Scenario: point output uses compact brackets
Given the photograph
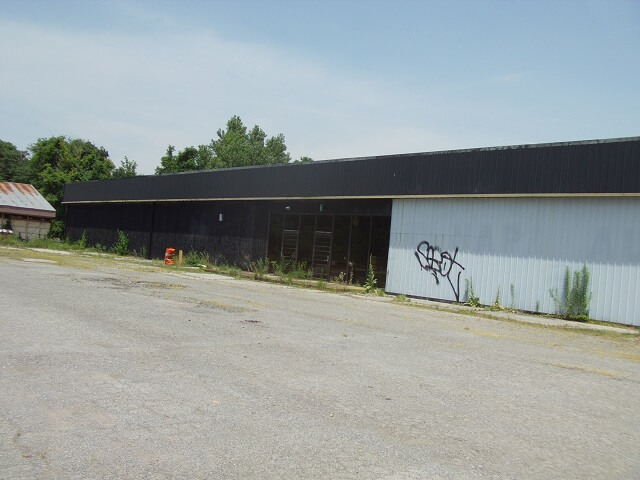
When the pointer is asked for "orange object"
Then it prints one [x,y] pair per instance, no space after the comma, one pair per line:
[169,253]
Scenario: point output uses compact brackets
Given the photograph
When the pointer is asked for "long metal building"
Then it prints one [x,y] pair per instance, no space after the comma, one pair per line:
[502,223]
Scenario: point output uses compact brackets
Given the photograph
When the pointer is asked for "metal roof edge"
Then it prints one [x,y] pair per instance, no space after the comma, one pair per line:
[374,157]
[365,197]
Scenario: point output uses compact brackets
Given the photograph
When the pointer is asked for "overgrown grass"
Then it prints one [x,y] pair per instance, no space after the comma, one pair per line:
[196,259]
[259,268]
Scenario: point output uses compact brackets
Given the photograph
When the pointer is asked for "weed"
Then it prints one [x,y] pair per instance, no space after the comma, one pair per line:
[371,282]
[281,267]
[11,240]
[322,284]
[80,244]
[301,270]
[259,268]
[575,298]
[470,295]
[401,299]
[121,247]
[512,291]
[496,305]
[196,259]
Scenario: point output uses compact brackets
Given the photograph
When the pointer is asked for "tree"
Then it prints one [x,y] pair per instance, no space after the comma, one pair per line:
[59,160]
[14,164]
[237,148]
[303,160]
[127,168]
[187,160]
[234,147]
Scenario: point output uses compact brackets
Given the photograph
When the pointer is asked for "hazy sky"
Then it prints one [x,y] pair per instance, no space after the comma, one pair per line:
[337,78]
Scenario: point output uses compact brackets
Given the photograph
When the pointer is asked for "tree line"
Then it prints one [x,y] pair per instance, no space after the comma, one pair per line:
[49,163]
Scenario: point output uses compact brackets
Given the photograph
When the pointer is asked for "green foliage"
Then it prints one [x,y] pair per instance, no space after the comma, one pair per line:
[574,301]
[197,259]
[59,160]
[512,291]
[237,147]
[259,268]
[127,168]
[303,160]
[82,243]
[401,299]
[187,160]
[57,229]
[496,305]
[301,270]
[234,147]
[281,267]
[472,299]
[370,284]
[121,247]
[14,164]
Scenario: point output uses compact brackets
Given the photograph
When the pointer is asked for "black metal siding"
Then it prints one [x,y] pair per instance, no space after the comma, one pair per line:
[605,167]
[241,237]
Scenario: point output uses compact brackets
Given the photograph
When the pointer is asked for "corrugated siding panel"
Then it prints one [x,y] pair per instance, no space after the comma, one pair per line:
[526,243]
[521,170]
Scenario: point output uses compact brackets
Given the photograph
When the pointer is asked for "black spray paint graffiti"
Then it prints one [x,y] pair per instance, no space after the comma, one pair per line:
[439,263]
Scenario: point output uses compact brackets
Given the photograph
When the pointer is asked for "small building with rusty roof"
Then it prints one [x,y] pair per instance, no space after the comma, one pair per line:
[24,211]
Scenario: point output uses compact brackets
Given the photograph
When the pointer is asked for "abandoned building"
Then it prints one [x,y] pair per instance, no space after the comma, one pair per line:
[24,212]
[502,223]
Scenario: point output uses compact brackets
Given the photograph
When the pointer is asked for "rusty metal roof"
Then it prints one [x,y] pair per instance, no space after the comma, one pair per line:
[24,199]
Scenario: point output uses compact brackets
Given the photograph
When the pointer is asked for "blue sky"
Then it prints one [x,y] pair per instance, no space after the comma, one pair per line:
[337,78]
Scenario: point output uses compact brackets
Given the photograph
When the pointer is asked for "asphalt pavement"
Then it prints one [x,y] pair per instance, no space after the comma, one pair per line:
[118,369]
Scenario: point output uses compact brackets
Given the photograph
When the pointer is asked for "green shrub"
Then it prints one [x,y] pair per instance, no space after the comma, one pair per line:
[301,270]
[195,259]
[259,268]
[57,229]
[121,247]
[80,244]
[574,301]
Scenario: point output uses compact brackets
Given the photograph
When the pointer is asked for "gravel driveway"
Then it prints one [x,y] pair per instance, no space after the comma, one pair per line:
[119,370]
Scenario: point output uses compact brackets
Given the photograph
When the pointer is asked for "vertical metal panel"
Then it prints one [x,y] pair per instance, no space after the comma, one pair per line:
[520,245]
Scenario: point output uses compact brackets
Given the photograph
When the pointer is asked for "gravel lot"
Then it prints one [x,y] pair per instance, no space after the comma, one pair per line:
[115,369]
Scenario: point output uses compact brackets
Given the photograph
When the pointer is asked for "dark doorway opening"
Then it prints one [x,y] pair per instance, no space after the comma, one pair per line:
[334,247]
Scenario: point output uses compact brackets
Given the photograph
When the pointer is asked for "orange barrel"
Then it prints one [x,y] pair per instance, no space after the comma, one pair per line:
[169,253]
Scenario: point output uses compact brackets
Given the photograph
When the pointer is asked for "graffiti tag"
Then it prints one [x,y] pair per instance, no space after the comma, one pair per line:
[439,263]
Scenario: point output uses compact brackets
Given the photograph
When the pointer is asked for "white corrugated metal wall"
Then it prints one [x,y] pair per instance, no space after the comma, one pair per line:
[521,246]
